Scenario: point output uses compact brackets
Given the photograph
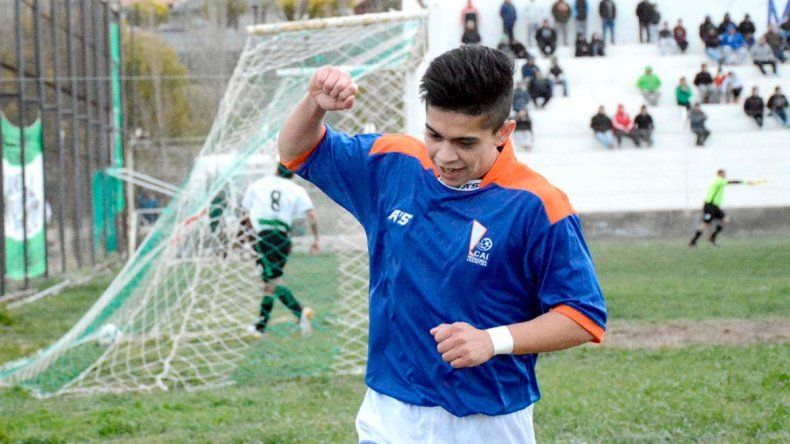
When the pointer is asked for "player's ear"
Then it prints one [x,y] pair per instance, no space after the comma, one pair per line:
[504,132]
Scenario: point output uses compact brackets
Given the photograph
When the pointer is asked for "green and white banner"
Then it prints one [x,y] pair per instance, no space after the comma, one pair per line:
[34,200]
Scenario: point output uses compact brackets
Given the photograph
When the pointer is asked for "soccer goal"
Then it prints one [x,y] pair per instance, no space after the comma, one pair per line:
[175,317]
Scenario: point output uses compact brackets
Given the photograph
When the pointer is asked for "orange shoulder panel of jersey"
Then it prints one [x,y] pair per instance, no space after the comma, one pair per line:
[297,163]
[508,172]
[592,328]
[399,143]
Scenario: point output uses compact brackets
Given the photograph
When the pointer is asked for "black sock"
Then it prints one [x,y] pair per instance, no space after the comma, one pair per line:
[716,232]
[266,310]
[288,299]
[696,236]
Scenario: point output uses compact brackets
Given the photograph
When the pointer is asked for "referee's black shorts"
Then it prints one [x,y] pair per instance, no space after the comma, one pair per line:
[711,212]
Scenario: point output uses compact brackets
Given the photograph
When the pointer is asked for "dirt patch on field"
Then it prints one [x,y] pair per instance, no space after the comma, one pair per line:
[676,334]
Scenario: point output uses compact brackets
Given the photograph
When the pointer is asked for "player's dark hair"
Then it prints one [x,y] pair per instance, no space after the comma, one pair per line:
[472,80]
[282,171]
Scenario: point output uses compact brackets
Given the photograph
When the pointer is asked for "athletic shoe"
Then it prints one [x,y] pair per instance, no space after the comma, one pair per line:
[712,240]
[253,332]
[305,321]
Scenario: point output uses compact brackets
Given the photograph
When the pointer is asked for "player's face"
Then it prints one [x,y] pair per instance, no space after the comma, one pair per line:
[460,146]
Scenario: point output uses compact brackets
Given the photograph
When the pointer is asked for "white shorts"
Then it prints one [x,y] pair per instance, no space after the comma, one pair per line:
[385,420]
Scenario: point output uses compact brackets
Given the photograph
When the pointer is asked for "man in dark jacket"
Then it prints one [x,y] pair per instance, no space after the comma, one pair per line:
[582,46]
[561,11]
[540,88]
[581,17]
[601,125]
[704,83]
[777,104]
[644,13]
[754,107]
[644,126]
[508,13]
[776,42]
[697,120]
[546,39]
[725,24]
[747,29]
[706,26]
[608,12]
[680,36]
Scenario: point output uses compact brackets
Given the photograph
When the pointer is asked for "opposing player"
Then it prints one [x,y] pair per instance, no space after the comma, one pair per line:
[273,203]
[477,263]
[711,210]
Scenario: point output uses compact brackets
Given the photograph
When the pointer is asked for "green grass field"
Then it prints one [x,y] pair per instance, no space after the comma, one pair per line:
[590,394]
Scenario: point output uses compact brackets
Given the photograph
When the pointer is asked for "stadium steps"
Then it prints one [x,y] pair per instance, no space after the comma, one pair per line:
[673,174]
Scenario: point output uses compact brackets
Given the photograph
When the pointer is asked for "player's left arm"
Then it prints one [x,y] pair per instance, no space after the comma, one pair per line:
[574,310]
[463,345]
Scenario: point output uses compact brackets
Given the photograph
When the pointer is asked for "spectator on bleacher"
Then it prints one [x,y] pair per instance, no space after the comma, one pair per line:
[762,55]
[733,88]
[725,24]
[528,70]
[557,76]
[504,46]
[561,11]
[546,38]
[608,12]
[777,104]
[508,13]
[776,42]
[681,39]
[666,40]
[697,120]
[718,83]
[683,94]
[470,14]
[522,136]
[601,125]
[649,85]
[712,49]
[644,126]
[540,88]
[520,96]
[471,36]
[704,83]
[785,31]
[747,29]
[519,50]
[643,16]
[582,46]
[580,12]
[597,45]
[705,27]
[623,126]
[733,47]
[754,107]
[533,16]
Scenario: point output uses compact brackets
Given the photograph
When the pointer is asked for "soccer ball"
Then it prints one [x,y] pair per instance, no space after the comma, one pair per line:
[108,335]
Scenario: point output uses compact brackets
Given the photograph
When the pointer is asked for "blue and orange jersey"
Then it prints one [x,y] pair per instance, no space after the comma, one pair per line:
[501,254]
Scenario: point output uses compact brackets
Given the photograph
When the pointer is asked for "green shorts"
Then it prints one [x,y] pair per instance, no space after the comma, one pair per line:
[273,248]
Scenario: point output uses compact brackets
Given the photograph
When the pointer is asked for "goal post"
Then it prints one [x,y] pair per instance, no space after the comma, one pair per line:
[175,316]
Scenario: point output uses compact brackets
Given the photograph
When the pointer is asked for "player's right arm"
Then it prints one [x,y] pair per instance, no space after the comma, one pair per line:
[330,89]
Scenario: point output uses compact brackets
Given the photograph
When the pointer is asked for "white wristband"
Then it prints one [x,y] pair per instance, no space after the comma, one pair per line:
[502,340]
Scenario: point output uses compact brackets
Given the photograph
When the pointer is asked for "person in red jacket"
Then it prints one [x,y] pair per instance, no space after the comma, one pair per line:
[624,126]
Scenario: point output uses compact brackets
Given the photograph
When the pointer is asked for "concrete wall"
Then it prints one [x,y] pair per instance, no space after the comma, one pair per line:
[744,222]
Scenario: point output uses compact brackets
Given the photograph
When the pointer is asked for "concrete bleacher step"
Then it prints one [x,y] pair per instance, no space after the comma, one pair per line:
[673,174]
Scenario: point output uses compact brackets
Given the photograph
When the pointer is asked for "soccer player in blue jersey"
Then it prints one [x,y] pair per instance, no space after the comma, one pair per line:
[477,263]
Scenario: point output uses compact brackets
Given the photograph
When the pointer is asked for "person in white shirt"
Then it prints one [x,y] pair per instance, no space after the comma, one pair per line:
[534,16]
[273,203]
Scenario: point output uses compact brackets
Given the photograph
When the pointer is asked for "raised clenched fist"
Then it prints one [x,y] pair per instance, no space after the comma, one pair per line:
[332,89]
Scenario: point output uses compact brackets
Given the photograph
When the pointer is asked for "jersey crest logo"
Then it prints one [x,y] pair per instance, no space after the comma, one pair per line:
[400,217]
[479,246]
